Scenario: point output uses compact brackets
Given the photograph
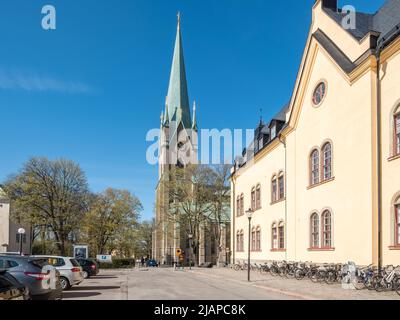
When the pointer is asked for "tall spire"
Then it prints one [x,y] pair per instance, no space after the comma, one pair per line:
[178,108]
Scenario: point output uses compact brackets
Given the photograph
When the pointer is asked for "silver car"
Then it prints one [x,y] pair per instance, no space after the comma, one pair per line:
[70,270]
[42,281]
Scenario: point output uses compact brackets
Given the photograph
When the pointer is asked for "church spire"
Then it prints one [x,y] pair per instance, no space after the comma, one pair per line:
[178,108]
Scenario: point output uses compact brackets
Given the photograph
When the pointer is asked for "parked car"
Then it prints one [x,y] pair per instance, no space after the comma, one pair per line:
[70,270]
[41,280]
[152,264]
[10,288]
[90,267]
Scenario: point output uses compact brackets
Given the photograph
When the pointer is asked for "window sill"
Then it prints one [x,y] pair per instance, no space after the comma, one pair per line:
[396,247]
[277,201]
[320,183]
[256,251]
[395,157]
[278,250]
[321,249]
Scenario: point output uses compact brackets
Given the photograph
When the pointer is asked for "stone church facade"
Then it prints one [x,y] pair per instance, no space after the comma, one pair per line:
[178,147]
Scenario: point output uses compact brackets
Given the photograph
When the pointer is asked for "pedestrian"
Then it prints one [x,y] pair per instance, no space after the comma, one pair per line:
[182,260]
[142,262]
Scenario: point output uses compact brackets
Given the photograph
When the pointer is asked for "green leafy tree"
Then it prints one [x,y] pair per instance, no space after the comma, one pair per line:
[52,194]
[111,221]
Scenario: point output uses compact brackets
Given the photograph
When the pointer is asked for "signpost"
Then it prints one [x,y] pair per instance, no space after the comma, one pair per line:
[81,252]
[104,258]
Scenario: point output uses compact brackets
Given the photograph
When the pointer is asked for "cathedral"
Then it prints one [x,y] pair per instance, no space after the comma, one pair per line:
[178,147]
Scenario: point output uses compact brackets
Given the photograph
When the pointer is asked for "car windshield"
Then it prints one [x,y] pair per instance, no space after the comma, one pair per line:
[75,263]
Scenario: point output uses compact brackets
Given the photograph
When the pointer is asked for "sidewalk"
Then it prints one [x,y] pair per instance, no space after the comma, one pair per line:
[303,289]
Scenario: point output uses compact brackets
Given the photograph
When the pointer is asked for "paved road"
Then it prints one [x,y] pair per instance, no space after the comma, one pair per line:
[167,284]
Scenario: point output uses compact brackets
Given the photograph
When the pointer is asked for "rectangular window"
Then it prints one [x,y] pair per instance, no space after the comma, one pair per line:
[253,241]
[281,237]
[258,198]
[253,200]
[397,133]
[17,237]
[281,187]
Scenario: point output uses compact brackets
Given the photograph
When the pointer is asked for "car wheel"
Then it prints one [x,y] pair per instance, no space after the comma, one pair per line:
[85,274]
[65,283]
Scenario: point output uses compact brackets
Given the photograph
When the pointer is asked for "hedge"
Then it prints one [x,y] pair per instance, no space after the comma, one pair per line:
[119,264]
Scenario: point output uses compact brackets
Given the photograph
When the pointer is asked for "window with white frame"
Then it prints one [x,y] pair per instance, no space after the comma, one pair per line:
[314,167]
[326,229]
[397,132]
[314,227]
[274,236]
[281,230]
[327,161]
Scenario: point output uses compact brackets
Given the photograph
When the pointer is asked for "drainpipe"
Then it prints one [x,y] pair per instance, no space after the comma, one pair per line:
[283,141]
[379,152]
[233,229]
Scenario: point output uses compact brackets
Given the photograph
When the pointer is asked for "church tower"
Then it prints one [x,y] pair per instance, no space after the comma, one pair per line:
[178,146]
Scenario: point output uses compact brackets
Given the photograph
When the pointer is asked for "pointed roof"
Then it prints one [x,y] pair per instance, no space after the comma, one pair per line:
[178,108]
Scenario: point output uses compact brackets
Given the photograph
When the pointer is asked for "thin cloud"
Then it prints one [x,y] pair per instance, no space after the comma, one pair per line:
[10,80]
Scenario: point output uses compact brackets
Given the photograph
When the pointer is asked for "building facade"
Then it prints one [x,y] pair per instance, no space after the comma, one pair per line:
[178,147]
[9,237]
[322,177]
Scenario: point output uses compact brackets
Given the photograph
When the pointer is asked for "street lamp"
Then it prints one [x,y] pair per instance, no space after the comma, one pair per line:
[21,232]
[190,250]
[249,214]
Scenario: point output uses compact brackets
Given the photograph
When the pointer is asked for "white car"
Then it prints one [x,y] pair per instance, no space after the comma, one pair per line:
[70,270]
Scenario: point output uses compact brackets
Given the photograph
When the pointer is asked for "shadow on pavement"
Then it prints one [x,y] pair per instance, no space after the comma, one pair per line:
[103,277]
[93,288]
[74,295]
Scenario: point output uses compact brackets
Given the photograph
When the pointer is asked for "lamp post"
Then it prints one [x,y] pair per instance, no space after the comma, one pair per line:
[249,214]
[190,250]
[21,232]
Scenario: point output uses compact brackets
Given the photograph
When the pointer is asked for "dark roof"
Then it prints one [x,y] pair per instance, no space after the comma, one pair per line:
[383,21]
[281,115]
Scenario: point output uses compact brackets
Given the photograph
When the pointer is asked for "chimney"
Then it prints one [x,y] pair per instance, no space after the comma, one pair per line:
[330,4]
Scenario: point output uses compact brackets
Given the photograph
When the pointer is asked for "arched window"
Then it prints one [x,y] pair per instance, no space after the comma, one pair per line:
[253,239]
[258,197]
[281,230]
[396,131]
[274,236]
[258,239]
[314,229]
[326,219]
[314,167]
[253,198]
[327,161]
[274,189]
[397,222]
[238,206]
[242,204]
[281,186]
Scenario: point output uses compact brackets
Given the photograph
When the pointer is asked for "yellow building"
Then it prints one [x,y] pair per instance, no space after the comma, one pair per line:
[323,177]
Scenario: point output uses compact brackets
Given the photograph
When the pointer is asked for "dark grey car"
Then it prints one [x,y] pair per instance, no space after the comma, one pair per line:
[42,280]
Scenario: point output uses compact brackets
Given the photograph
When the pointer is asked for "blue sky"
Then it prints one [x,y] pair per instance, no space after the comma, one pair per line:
[90,90]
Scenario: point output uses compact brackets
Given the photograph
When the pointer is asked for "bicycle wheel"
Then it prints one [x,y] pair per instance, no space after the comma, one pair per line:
[330,277]
[377,283]
[397,286]
[299,274]
[274,271]
[359,283]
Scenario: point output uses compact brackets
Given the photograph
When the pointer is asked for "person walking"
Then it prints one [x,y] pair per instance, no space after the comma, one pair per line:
[182,260]
[142,262]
